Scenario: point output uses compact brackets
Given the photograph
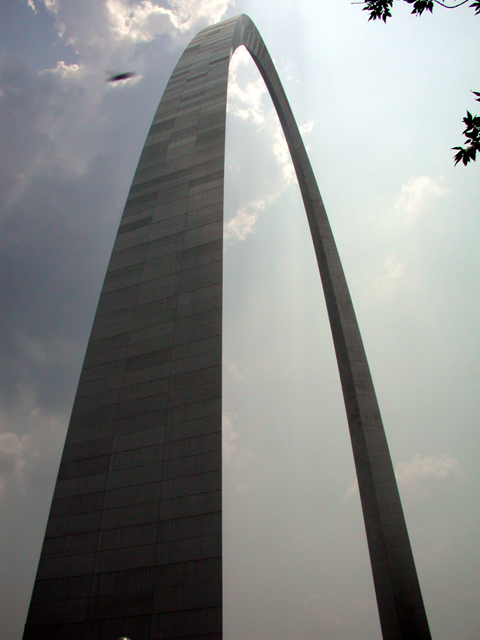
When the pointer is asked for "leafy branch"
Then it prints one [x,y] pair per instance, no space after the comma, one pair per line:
[381,10]
[472,135]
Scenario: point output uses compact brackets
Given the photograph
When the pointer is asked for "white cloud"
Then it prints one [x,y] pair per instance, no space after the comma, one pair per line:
[32,6]
[416,196]
[11,452]
[245,102]
[393,268]
[64,70]
[237,460]
[248,102]
[243,224]
[15,451]
[229,436]
[394,271]
[51,5]
[143,21]
[352,490]
[232,371]
[307,127]
[105,32]
[415,476]
[283,158]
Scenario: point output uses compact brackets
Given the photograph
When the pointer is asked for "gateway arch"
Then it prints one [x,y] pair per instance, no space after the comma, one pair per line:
[133,545]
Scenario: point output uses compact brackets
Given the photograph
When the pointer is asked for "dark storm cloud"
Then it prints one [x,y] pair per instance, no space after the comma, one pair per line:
[51,238]
[47,313]
[63,183]
[24,96]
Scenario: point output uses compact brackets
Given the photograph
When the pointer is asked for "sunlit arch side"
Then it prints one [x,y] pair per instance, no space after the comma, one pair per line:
[135,526]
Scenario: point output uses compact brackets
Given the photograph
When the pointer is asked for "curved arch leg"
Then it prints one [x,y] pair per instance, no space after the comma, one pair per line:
[133,544]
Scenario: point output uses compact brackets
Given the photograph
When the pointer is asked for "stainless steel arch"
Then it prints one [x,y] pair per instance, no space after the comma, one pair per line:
[133,542]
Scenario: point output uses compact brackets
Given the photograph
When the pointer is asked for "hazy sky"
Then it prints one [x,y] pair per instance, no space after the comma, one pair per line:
[379,106]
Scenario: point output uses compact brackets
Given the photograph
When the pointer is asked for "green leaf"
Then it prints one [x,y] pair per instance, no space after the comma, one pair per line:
[419,6]
[476,5]
[464,154]
[379,9]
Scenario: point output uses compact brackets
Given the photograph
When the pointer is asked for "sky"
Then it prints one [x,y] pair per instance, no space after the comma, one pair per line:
[379,107]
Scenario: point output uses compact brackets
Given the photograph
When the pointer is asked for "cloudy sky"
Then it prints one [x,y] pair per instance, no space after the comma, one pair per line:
[379,106]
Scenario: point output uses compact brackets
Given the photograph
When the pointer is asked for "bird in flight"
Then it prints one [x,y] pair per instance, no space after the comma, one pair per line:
[121,76]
